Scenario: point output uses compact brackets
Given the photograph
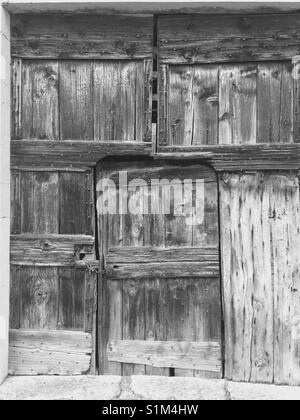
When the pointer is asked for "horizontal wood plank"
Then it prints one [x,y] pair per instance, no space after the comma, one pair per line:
[138,271]
[69,154]
[81,36]
[242,157]
[51,250]
[146,255]
[204,356]
[205,39]
[49,352]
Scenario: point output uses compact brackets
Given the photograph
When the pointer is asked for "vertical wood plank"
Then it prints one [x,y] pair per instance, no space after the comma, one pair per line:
[27,202]
[285,228]
[274,103]
[76,197]
[15,208]
[180,105]
[122,101]
[14,299]
[206,101]
[133,319]
[146,79]
[16,98]
[76,100]
[247,277]
[46,208]
[26,131]
[39,298]
[45,101]
[71,298]
[163,105]
[237,111]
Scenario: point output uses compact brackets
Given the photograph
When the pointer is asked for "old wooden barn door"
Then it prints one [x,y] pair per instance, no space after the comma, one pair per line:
[158,225]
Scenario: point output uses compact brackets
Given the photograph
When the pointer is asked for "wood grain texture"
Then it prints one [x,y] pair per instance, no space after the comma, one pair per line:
[82,100]
[170,354]
[247,157]
[158,262]
[122,106]
[82,36]
[71,155]
[49,352]
[51,250]
[227,104]
[259,217]
[274,103]
[205,39]
[76,100]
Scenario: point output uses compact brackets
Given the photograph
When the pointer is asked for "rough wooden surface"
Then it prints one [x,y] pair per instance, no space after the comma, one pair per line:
[54,250]
[52,202]
[68,154]
[49,352]
[235,158]
[227,104]
[164,303]
[260,264]
[167,354]
[205,39]
[81,36]
[82,100]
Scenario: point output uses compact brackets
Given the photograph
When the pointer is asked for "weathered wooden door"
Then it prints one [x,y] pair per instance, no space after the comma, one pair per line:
[159,242]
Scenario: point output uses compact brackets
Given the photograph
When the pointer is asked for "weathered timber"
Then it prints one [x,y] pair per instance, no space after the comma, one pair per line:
[163,270]
[167,269]
[260,271]
[66,154]
[81,36]
[234,158]
[51,250]
[146,255]
[205,356]
[205,39]
[49,352]
[227,104]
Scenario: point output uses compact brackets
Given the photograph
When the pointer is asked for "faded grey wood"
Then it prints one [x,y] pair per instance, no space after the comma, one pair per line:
[49,352]
[51,250]
[205,356]
[68,154]
[86,36]
[213,38]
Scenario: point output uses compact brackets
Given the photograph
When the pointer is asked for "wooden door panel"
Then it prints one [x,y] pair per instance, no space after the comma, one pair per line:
[162,281]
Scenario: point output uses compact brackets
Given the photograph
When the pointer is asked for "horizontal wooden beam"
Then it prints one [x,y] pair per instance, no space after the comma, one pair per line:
[235,158]
[81,36]
[70,154]
[49,352]
[212,39]
[203,356]
[146,255]
[163,270]
[51,250]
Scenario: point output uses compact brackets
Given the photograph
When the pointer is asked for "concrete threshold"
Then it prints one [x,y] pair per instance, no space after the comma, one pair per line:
[139,388]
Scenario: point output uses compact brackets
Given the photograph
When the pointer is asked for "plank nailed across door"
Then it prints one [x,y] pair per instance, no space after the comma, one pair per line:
[51,250]
[242,38]
[176,354]
[49,352]
[83,100]
[227,104]
[260,242]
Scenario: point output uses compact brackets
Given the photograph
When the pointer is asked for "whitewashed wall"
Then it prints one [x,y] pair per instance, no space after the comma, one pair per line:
[4,188]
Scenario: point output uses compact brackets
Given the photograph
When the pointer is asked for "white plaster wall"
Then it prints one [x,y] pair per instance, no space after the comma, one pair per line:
[4,187]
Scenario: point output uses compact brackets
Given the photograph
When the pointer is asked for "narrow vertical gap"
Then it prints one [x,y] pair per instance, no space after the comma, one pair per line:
[172,371]
[223,338]
[97,257]
[155,84]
